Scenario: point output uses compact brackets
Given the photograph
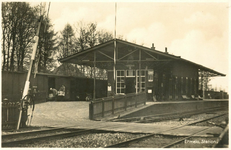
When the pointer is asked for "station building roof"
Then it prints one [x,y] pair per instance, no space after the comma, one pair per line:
[105,56]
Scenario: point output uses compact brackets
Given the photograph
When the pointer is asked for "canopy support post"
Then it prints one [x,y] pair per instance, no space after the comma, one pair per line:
[140,84]
[94,75]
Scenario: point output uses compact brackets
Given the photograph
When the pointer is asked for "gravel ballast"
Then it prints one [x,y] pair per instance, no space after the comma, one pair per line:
[92,140]
[194,118]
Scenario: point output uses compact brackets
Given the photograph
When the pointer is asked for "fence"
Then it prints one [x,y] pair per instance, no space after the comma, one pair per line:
[102,107]
[10,114]
[10,109]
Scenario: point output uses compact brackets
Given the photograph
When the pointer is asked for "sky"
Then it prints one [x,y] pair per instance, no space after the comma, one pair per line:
[197,31]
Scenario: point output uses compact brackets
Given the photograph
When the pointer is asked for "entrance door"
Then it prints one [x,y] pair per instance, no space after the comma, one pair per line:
[130,85]
[51,82]
[73,89]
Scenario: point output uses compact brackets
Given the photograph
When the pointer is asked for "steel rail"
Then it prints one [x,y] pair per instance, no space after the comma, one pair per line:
[208,119]
[163,116]
[31,132]
[178,141]
[12,143]
[123,144]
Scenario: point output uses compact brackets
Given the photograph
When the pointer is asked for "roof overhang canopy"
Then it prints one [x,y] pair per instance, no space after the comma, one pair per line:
[127,54]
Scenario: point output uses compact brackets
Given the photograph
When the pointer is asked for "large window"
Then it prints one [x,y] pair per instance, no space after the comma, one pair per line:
[121,76]
[120,88]
[140,82]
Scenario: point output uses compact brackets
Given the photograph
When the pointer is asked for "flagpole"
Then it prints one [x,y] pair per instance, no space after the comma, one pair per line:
[115,20]
[114,66]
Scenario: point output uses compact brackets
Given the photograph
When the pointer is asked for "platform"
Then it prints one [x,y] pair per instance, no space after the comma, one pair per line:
[75,115]
[177,107]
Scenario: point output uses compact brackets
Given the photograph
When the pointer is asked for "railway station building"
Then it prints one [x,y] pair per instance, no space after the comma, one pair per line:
[133,68]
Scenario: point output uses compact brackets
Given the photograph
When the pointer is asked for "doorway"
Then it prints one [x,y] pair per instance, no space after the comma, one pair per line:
[73,88]
[130,85]
[51,82]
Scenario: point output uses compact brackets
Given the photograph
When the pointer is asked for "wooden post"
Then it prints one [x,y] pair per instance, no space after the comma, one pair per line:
[146,85]
[125,103]
[140,84]
[136,101]
[113,105]
[102,108]
[94,75]
[145,98]
[7,114]
[91,111]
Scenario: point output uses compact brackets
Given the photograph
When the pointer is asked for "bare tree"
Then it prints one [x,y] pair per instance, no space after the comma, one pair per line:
[91,35]
[86,36]
[18,25]
[104,36]
[81,35]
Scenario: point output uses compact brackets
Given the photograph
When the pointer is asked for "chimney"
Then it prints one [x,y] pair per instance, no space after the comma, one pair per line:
[153,46]
[166,50]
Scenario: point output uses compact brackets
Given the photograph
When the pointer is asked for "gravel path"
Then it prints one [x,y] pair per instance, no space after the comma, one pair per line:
[60,113]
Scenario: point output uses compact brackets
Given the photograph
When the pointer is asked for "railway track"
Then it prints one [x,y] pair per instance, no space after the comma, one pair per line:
[12,140]
[217,141]
[183,139]
[167,144]
[166,116]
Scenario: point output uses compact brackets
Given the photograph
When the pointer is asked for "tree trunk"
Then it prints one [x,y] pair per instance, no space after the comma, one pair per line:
[12,52]
[3,50]
[8,50]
